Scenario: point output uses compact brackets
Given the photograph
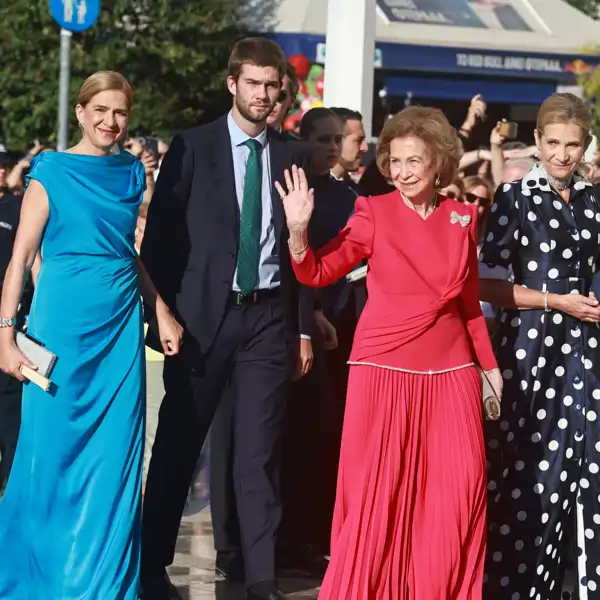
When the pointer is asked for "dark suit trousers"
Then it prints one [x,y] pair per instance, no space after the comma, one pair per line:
[312,434]
[10,422]
[251,356]
[309,467]
[225,521]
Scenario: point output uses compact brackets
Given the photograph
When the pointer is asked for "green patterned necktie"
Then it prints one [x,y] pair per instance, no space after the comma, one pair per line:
[250,222]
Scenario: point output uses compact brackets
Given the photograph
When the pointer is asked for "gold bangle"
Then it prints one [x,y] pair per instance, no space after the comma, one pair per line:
[297,252]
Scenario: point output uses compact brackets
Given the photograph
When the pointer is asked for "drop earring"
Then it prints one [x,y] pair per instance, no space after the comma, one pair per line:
[437,181]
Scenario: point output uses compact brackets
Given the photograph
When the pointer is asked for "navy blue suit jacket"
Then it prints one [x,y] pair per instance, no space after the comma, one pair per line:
[191,238]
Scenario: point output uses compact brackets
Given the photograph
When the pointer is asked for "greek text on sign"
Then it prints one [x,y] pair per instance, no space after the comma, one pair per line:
[506,15]
[408,10]
[420,16]
[511,63]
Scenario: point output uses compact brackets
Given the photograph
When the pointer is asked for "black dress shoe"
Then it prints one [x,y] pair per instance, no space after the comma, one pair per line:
[158,586]
[266,590]
[230,566]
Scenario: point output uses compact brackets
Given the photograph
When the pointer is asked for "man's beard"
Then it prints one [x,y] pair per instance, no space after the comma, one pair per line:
[350,167]
[244,110]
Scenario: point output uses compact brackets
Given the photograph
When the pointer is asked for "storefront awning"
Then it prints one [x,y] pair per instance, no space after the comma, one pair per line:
[551,26]
[560,68]
[453,88]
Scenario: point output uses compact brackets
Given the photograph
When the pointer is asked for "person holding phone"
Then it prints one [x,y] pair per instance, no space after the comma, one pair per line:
[476,113]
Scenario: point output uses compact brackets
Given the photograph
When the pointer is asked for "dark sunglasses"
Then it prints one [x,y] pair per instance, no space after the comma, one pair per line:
[283,96]
[327,139]
[472,198]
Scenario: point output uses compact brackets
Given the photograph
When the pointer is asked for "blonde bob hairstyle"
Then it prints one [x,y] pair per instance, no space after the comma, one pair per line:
[563,108]
[430,125]
[104,81]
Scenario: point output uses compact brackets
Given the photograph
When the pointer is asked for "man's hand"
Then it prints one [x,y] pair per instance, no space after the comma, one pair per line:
[330,340]
[304,359]
[134,146]
[496,140]
[527,152]
[149,161]
[477,109]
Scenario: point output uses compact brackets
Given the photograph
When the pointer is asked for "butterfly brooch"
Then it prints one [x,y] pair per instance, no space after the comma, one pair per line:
[456,218]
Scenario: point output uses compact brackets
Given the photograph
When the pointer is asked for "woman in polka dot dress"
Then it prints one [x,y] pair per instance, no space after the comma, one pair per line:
[544,453]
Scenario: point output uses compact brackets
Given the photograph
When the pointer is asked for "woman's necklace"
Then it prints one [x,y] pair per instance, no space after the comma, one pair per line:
[560,184]
[428,212]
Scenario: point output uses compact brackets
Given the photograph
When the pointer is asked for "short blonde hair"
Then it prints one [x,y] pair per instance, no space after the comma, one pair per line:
[431,126]
[103,81]
[564,108]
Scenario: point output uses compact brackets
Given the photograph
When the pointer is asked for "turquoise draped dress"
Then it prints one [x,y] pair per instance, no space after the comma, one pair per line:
[70,519]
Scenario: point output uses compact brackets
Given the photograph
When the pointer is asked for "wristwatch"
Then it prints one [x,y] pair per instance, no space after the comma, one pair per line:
[7,322]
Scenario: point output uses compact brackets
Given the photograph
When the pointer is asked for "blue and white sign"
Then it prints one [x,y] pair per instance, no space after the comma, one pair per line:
[454,61]
[378,63]
[75,15]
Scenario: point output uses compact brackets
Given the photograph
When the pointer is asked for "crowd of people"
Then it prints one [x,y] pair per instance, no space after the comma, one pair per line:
[338,327]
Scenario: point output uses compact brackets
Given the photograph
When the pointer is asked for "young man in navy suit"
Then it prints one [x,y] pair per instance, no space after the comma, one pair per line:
[215,246]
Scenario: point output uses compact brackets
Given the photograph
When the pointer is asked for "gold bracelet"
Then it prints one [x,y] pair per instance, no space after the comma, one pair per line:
[546,309]
[297,252]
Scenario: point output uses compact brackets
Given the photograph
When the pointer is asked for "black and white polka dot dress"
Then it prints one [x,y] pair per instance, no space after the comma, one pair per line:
[544,453]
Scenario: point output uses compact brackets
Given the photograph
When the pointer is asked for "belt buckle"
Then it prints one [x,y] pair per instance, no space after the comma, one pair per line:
[239,298]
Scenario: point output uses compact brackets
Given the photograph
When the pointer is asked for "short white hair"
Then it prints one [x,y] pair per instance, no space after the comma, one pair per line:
[518,166]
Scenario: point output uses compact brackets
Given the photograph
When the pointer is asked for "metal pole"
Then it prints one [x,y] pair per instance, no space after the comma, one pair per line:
[63,93]
[351,20]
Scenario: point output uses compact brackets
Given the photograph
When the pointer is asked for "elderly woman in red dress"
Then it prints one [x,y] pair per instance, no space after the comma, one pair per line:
[410,511]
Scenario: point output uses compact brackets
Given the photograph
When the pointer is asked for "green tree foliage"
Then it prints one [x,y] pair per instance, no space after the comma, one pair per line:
[589,81]
[174,52]
[589,7]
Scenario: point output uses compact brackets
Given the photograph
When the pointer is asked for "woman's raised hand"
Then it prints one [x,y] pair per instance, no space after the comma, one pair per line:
[298,200]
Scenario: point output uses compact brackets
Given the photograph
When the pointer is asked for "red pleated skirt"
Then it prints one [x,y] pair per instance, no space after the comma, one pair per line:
[409,519]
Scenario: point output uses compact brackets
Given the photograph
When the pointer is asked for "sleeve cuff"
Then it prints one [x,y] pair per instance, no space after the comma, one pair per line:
[306,269]
[303,336]
[496,272]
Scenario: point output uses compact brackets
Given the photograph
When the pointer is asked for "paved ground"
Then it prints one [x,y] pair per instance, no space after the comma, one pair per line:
[193,571]
[194,575]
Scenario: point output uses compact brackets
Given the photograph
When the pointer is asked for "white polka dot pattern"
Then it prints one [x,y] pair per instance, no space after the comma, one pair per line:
[550,427]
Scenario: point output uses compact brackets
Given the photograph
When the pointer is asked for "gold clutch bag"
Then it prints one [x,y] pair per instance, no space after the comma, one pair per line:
[491,402]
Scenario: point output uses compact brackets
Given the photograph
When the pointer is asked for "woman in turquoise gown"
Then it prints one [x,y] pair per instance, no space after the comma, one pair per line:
[71,514]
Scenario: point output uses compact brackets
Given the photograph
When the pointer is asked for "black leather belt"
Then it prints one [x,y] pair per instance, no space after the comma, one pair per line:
[255,297]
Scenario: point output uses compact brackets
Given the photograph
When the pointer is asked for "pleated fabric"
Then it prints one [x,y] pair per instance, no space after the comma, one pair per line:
[409,520]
